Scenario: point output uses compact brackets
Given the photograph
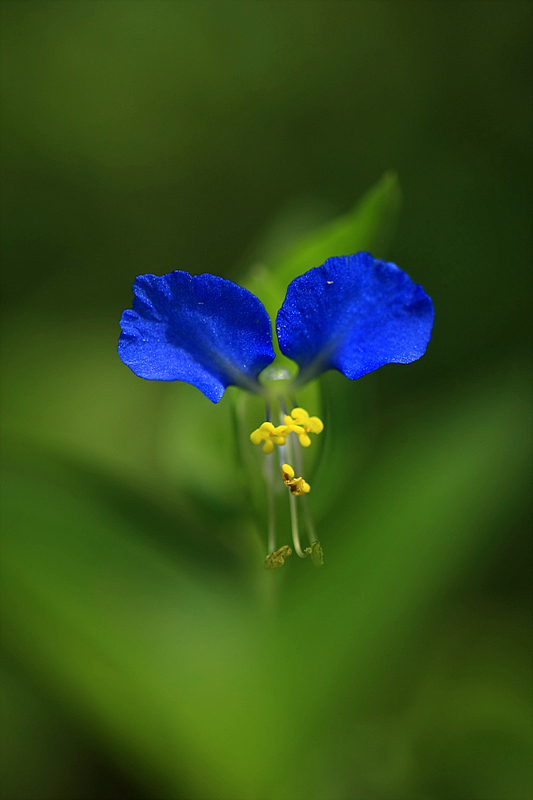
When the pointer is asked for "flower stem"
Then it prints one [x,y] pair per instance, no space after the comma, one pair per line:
[269,474]
[292,501]
[294,524]
[309,526]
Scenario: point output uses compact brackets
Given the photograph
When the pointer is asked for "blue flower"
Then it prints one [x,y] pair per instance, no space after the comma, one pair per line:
[353,313]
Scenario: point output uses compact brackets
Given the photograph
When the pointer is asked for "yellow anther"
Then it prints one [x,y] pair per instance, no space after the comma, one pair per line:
[316,553]
[255,437]
[301,423]
[311,424]
[296,485]
[278,557]
[269,434]
[287,471]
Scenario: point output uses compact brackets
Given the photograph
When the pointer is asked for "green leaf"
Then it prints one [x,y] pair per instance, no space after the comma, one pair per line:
[422,518]
[368,226]
[189,679]
[152,657]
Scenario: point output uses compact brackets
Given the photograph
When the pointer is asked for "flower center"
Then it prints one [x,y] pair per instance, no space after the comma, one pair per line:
[301,424]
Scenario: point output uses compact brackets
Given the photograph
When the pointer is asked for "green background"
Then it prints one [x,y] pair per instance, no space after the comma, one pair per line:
[146,653]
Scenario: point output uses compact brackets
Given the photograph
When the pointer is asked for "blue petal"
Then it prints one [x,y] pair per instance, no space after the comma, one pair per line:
[201,329]
[354,314]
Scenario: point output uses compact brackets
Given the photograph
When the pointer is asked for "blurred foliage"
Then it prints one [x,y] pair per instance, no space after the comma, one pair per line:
[147,654]
[368,226]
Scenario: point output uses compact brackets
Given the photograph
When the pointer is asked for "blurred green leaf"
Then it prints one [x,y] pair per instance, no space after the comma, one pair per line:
[193,682]
[419,520]
[432,499]
[368,226]
[142,651]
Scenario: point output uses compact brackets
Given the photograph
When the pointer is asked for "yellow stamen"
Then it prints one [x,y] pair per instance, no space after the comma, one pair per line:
[278,557]
[316,553]
[299,422]
[302,424]
[296,485]
[269,434]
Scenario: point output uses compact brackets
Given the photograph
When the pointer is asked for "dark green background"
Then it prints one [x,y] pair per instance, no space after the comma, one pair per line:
[151,136]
